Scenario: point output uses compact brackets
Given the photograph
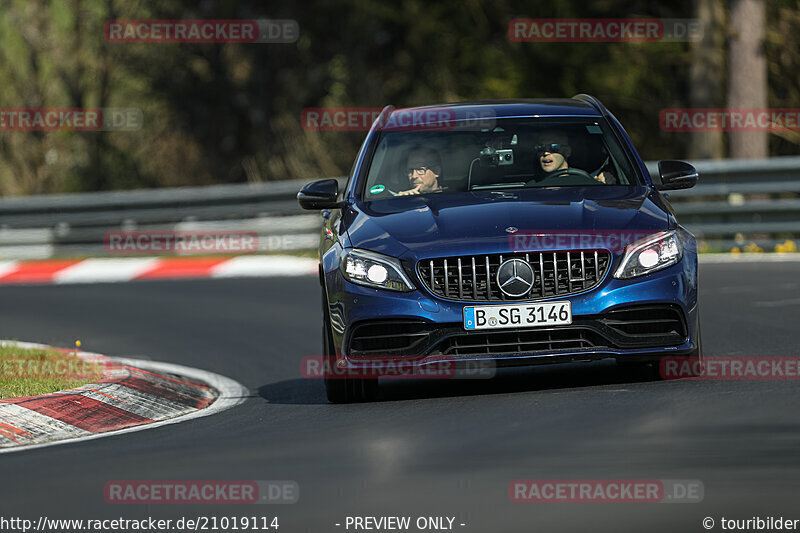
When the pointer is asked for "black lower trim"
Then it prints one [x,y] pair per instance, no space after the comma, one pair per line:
[630,327]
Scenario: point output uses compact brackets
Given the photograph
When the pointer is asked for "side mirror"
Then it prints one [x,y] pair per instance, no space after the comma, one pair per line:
[676,175]
[320,194]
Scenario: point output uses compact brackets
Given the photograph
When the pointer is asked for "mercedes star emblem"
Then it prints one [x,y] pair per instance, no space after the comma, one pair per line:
[515,278]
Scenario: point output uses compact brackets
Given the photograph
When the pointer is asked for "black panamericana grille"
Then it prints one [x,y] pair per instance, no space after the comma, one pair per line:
[474,278]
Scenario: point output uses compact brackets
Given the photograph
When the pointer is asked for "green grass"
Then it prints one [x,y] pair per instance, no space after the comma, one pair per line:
[30,372]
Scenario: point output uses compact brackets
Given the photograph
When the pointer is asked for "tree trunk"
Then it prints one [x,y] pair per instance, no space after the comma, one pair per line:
[747,73]
[706,76]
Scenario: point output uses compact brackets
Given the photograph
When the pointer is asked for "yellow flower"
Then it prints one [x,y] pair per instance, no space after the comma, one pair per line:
[753,248]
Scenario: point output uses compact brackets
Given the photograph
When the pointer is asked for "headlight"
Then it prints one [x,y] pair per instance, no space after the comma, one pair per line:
[658,251]
[374,270]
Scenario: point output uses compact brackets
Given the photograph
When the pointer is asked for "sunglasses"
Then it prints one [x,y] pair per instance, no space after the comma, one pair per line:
[553,148]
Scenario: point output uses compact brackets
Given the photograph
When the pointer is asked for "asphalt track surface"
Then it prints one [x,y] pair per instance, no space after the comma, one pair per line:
[428,448]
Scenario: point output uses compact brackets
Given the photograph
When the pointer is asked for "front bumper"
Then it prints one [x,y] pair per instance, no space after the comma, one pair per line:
[611,320]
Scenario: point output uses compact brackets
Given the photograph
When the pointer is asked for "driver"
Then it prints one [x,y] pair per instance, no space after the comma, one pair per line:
[424,168]
[553,149]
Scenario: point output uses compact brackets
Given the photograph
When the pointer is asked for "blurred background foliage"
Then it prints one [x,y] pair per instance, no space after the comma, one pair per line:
[225,113]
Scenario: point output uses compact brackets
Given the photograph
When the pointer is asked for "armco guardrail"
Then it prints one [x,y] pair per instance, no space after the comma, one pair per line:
[70,225]
[735,202]
[741,201]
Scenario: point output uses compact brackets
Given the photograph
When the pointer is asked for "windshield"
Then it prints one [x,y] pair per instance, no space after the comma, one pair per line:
[509,153]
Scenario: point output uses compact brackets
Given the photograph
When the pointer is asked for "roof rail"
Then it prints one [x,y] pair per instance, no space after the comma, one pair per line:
[592,101]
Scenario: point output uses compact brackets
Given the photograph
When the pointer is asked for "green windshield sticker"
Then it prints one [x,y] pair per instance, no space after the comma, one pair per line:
[377,189]
[593,128]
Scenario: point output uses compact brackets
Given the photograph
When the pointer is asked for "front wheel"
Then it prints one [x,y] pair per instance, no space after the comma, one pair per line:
[696,355]
[340,388]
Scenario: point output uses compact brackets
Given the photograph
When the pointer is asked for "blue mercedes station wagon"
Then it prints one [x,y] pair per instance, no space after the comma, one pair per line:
[511,232]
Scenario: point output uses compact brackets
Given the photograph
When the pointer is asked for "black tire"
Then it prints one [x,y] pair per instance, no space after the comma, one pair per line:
[697,353]
[342,389]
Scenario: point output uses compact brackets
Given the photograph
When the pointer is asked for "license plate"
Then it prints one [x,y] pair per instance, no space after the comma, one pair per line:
[517,315]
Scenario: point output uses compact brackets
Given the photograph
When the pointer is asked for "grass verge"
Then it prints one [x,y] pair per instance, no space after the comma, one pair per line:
[35,371]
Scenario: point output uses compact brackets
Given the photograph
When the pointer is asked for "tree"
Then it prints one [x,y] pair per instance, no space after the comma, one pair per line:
[706,76]
[747,73]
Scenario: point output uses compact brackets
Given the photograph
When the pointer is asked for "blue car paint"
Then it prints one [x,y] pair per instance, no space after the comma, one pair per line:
[473,223]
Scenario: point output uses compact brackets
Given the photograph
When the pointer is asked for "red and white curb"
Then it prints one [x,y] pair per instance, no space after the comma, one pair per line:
[131,396]
[117,269]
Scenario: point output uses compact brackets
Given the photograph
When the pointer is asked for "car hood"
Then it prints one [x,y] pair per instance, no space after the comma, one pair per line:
[496,221]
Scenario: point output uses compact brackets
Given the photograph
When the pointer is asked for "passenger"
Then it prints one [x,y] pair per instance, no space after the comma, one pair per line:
[553,149]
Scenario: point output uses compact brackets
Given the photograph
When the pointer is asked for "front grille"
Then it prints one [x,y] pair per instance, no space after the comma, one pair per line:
[519,342]
[474,278]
